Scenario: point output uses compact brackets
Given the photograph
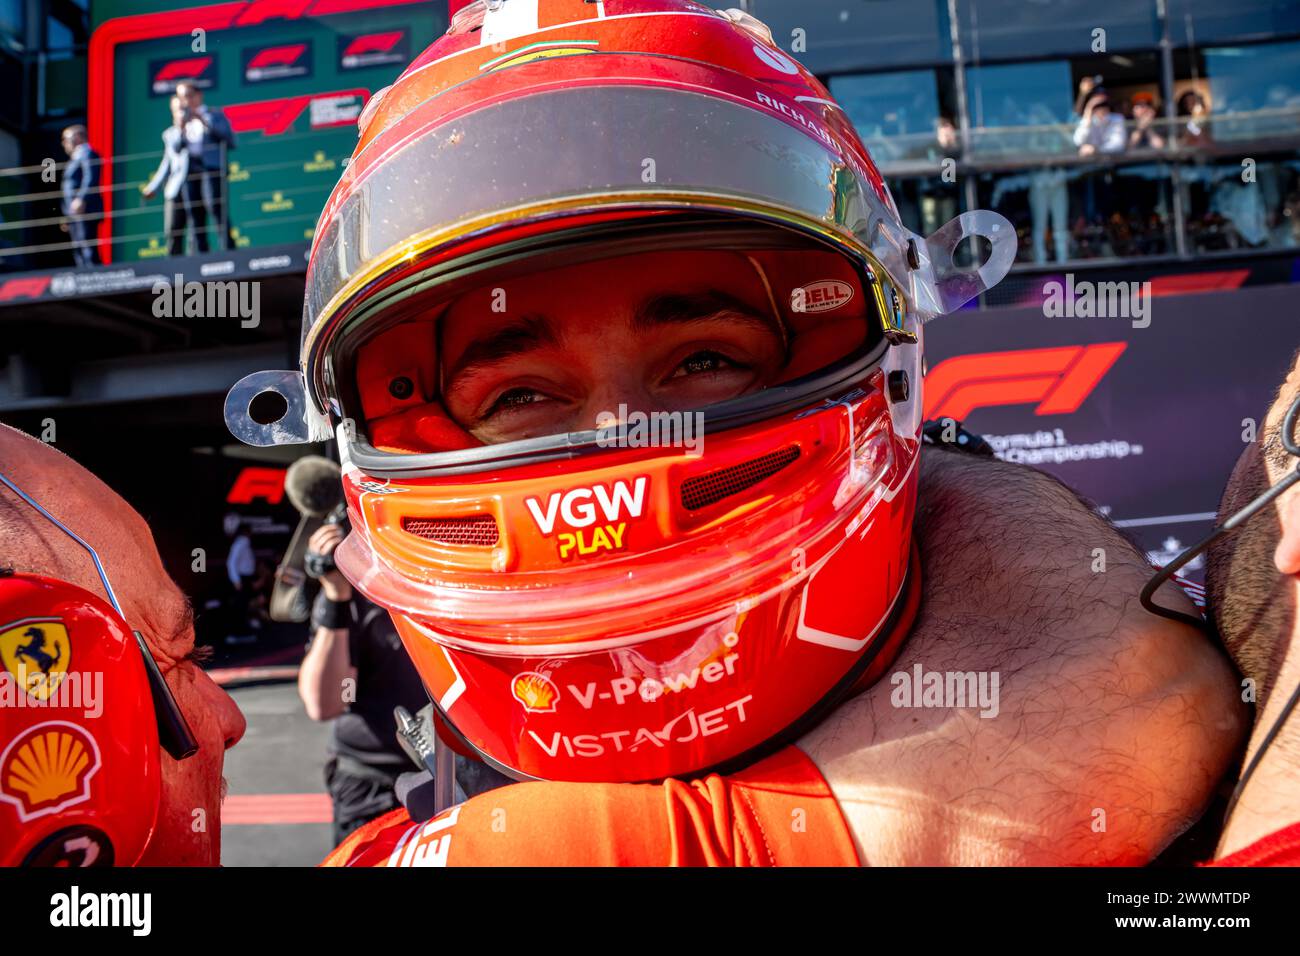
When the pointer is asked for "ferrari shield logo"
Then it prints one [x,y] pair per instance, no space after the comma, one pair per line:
[36,650]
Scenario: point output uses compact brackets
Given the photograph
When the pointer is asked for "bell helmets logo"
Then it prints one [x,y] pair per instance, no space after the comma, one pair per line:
[582,510]
[48,769]
[821,296]
[1059,379]
[536,692]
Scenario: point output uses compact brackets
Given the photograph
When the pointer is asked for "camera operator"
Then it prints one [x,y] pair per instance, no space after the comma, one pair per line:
[355,673]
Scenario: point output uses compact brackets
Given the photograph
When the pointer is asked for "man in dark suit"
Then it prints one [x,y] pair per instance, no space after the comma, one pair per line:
[182,190]
[209,137]
[82,204]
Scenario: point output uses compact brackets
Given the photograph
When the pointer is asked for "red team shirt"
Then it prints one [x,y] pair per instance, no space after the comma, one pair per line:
[779,812]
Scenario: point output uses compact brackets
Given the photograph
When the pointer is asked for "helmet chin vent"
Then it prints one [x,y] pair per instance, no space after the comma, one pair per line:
[475,531]
[701,491]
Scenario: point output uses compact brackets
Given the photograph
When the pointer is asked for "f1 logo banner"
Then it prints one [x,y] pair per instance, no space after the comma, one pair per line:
[1147,422]
[1059,379]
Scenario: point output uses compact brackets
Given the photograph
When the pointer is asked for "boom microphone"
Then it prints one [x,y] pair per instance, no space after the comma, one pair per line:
[314,485]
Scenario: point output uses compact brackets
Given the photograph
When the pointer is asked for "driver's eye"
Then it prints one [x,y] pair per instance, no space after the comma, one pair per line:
[512,400]
[517,396]
[702,361]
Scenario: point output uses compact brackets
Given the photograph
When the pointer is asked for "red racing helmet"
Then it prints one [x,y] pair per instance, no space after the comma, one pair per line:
[79,776]
[83,713]
[582,606]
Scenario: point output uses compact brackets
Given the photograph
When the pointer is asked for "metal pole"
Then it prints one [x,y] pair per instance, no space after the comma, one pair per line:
[959,79]
[1167,82]
[444,777]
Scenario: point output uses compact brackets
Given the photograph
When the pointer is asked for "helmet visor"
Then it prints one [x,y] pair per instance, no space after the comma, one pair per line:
[629,340]
[605,145]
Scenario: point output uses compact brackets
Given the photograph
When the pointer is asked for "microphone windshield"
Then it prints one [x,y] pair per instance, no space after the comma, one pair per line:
[314,485]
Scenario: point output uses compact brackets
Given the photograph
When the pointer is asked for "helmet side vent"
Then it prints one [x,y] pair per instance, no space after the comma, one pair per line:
[701,491]
[475,531]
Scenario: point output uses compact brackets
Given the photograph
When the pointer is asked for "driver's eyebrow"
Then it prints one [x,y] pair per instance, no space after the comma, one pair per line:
[674,308]
[529,332]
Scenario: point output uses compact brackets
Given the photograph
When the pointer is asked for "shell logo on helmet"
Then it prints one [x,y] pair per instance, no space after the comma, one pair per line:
[48,769]
[536,692]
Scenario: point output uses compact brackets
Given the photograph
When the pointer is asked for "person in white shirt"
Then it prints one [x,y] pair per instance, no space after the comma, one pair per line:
[209,137]
[1099,130]
[183,202]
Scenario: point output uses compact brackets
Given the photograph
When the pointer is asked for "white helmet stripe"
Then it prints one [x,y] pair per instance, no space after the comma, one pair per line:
[507,20]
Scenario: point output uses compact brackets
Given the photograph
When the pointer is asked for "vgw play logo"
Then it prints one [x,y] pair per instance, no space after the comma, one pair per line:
[582,509]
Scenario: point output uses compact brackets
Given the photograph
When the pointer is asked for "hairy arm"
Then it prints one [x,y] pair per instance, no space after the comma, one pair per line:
[1111,727]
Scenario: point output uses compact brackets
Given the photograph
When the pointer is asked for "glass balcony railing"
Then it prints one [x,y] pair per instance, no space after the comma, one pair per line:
[239,205]
[1189,186]
[1221,184]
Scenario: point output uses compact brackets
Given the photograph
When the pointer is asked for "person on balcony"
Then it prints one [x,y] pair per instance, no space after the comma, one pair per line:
[182,191]
[82,204]
[1145,134]
[209,138]
[1100,130]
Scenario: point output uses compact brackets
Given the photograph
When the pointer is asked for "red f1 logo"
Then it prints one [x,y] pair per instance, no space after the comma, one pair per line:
[373,43]
[277,56]
[178,70]
[1058,379]
[253,483]
[29,288]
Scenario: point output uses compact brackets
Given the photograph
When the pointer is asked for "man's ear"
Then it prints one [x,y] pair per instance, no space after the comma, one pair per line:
[1287,555]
